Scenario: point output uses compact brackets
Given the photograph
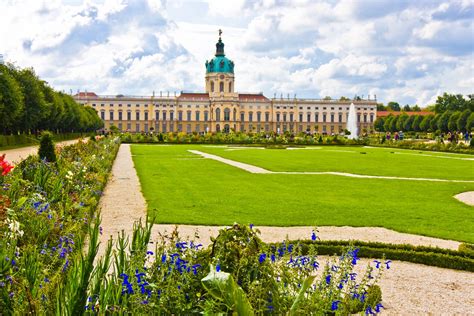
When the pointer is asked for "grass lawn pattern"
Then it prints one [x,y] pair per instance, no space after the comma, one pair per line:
[181,187]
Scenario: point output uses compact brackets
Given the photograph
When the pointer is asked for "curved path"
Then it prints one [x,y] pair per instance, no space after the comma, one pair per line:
[408,288]
[17,154]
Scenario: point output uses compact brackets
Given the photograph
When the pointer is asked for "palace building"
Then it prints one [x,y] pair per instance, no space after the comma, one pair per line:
[221,109]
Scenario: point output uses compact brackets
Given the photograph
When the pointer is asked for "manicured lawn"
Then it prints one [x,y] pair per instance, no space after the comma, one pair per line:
[360,160]
[180,187]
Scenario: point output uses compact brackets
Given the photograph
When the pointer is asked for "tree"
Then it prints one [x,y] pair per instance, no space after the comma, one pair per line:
[434,122]
[462,120]
[393,124]
[327,98]
[416,126]
[443,121]
[378,124]
[416,108]
[394,106]
[343,98]
[453,121]
[401,121]
[425,125]
[408,124]
[387,123]
[451,102]
[35,105]
[470,122]
[11,101]
[406,108]
[381,107]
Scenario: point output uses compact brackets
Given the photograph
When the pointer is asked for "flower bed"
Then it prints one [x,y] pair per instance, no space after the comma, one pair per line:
[45,211]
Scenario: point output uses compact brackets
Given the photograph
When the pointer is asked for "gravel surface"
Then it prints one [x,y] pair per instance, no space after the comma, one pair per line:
[408,288]
[466,197]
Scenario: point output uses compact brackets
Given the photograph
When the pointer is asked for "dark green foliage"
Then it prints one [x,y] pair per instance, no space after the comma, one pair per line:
[465,247]
[46,149]
[439,257]
[28,104]
[451,102]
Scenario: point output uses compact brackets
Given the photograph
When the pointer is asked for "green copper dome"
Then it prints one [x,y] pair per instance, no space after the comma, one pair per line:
[220,63]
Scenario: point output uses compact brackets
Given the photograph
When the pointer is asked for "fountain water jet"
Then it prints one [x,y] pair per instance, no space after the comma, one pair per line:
[352,123]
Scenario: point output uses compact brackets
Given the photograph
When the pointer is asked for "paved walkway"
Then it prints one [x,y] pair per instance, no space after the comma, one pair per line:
[255,169]
[18,154]
[407,288]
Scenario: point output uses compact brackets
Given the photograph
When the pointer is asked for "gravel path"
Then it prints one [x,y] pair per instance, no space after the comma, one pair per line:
[408,288]
[466,197]
[17,154]
[255,169]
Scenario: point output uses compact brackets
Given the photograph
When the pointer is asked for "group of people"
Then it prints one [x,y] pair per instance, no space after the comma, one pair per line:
[455,137]
[396,136]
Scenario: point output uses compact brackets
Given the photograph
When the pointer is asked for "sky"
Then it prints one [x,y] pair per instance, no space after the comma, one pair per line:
[404,51]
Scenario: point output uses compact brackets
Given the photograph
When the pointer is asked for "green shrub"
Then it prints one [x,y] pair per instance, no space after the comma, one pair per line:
[465,247]
[47,150]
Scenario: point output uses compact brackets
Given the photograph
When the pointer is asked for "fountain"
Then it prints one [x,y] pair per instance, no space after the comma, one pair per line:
[352,122]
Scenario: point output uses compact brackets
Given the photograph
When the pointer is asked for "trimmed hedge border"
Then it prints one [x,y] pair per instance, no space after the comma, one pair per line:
[32,139]
[438,257]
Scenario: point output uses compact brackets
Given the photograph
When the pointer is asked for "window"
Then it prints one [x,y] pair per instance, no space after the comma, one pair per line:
[218,114]
[111,115]
[102,115]
[284,117]
[332,117]
[259,116]
[137,116]
[230,86]
[206,116]
[120,105]
[221,86]
[157,115]
[180,116]
[129,118]
[188,114]
[371,117]
[316,117]
[250,116]
[278,117]
[301,117]
[188,128]
[212,86]
[137,127]
[365,118]
[340,117]
[324,117]
[358,117]
[129,105]
[308,117]
[291,117]
[242,116]
[226,115]
[146,116]
[93,104]
[111,105]
[267,116]
[171,119]
[197,115]
[164,116]
[120,116]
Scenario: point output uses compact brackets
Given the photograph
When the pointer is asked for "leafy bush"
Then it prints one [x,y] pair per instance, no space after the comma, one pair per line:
[47,150]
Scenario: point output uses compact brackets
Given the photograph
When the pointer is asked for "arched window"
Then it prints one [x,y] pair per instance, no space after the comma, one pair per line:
[227,115]
[221,86]
[212,86]
[218,114]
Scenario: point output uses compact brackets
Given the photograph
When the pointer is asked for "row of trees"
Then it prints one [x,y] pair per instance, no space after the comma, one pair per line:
[29,104]
[394,106]
[444,122]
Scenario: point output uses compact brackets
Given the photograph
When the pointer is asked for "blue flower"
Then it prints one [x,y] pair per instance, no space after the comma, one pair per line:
[313,236]
[251,226]
[378,307]
[368,311]
[353,276]
[328,279]
[290,248]
[195,267]
[66,265]
[388,263]
[163,258]
[262,257]
[377,264]
[218,267]
[272,257]
[334,305]
[149,253]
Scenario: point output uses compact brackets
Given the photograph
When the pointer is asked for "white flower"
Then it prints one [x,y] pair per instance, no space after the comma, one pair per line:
[14,227]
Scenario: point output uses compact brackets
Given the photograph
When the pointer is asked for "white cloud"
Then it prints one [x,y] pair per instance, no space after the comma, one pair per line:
[404,51]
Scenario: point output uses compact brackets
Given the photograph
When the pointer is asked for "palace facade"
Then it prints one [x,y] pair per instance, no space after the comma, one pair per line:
[221,109]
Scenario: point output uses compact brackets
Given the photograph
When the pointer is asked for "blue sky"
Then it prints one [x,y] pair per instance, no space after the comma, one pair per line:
[407,51]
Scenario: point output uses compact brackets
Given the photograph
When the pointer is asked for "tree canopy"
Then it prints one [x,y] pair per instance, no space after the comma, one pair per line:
[29,104]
